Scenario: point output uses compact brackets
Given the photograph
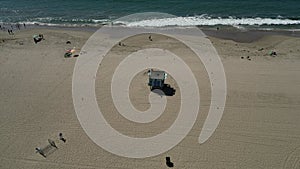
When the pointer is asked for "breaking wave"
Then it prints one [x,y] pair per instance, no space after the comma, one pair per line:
[164,20]
[208,21]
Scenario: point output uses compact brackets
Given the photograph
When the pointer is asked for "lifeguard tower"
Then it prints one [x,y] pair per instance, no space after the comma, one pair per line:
[156,79]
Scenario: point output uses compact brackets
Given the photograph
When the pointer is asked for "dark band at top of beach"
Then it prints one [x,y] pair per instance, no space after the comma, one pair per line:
[254,14]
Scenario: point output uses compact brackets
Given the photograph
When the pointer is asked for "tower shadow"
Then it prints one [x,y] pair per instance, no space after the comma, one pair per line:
[167,89]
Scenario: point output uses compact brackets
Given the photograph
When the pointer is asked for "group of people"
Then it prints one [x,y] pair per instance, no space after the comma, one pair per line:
[52,143]
[11,28]
[10,31]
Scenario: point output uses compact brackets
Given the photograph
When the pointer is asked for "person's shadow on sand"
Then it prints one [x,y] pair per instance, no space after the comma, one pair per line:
[169,163]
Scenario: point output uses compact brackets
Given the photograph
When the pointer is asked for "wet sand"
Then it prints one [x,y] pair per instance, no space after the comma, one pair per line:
[246,36]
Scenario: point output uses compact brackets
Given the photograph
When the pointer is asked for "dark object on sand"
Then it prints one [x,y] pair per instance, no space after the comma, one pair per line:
[261,49]
[69,52]
[38,38]
[242,57]
[169,163]
[121,44]
[273,53]
[75,56]
[68,42]
[52,143]
[61,137]
[48,149]
[39,150]
[10,32]
[150,38]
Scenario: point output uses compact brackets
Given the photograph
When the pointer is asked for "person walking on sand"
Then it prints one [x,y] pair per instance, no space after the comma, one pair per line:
[39,150]
[61,137]
[10,32]
[18,26]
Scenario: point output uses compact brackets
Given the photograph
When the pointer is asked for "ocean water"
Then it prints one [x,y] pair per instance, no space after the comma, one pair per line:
[184,12]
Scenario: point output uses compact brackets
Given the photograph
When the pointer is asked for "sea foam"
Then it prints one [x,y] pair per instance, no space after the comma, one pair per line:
[207,21]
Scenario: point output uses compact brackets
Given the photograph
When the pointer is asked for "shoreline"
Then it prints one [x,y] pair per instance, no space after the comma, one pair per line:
[247,36]
[223,32]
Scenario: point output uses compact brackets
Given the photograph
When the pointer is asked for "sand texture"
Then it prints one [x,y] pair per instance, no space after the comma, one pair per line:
[260,126]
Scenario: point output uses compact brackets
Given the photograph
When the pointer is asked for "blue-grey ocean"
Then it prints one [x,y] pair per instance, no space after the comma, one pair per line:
[188,12]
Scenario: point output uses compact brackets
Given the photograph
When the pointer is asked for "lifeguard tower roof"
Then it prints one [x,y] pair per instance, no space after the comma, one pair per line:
[156,79]
[157,75]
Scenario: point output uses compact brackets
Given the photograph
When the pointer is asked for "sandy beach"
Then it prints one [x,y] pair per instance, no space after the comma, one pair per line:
[259,129]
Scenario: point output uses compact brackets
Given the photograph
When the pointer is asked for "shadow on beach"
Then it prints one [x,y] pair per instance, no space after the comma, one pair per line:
[167,89]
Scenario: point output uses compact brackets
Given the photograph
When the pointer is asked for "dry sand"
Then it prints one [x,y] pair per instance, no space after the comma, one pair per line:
[260,126]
